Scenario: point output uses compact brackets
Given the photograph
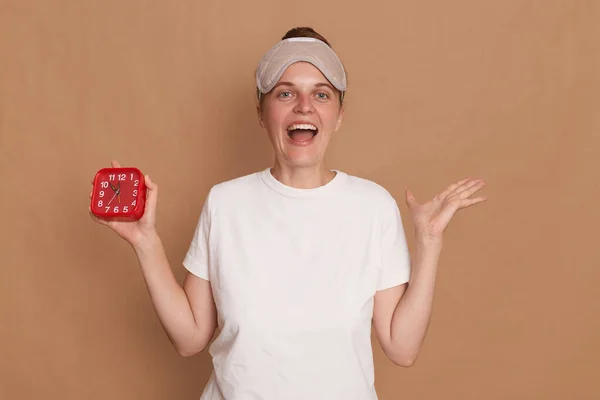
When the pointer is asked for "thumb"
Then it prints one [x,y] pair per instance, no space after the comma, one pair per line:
[152,196]
[148,219]
[410,198]
[150,183]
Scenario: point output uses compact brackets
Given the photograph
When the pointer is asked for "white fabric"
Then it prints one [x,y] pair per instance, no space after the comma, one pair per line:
[293,273]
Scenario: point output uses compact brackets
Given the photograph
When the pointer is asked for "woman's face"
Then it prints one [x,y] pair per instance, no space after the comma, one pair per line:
[300,114]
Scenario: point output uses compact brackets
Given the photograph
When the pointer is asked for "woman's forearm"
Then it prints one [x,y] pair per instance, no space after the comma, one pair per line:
[189,333]
[412,315]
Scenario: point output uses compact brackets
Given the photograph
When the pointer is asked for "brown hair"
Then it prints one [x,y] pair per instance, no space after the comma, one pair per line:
[301,31]
[304,31]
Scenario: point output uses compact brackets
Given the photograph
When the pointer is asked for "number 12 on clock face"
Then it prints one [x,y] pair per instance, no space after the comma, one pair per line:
[119,194]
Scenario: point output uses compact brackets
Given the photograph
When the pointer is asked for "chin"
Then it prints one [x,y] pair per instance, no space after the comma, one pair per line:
[302,157]
[302,160]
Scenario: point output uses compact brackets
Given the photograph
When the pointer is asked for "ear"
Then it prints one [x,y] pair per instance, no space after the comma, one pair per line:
[339,120]
[259,115]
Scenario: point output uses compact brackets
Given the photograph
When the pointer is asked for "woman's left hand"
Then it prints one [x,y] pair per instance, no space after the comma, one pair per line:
[431,219]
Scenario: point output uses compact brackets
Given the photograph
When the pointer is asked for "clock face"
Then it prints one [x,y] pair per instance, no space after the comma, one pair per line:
[118,192]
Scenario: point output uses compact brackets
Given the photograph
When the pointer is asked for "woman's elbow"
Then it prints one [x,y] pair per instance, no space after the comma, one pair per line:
[191,347]
[183,352]
[403,360]
[406,363]
[189,351]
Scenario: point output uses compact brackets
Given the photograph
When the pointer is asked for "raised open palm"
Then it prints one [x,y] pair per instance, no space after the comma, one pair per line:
[432,218]
[134,231]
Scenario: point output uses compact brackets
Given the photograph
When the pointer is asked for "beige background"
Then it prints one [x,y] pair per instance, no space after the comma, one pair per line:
[504,90]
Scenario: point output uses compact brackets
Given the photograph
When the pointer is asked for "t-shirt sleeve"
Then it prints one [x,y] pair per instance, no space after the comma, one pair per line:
[197,257]
[395,264]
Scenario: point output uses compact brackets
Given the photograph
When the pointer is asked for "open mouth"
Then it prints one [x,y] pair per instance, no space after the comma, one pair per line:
[302,133]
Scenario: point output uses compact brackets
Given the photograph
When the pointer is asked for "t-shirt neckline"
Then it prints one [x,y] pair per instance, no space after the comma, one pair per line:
[290,191]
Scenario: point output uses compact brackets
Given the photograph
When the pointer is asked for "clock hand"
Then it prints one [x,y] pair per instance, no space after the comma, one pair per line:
[119,191]
[111,199]
[113,188]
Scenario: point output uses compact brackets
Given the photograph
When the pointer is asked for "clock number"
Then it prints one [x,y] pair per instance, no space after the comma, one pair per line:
[111,177]
[100,203]
[131,176]
[122,177]
[104,184]
[116,209]
[107,208]
[101,194]
[135,192]
[136,182]
[134,203]
[126,209]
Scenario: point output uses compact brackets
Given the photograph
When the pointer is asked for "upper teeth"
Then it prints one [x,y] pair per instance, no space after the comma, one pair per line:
[302,126]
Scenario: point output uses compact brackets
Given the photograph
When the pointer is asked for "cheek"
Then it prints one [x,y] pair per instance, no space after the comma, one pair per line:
[272,125]
[274,120]
[330,119]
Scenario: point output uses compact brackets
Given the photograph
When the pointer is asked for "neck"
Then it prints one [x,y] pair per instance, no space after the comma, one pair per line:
[309,177]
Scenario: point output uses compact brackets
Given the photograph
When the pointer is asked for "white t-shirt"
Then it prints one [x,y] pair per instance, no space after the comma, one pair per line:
[293,274]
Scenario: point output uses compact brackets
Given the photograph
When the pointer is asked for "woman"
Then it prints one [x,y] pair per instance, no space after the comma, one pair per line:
[294,262]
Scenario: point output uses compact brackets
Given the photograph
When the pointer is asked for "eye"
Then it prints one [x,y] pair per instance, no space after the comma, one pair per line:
[283,94]
[322,96]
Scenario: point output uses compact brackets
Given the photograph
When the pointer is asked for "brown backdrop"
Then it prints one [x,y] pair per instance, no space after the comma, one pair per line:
[504,90]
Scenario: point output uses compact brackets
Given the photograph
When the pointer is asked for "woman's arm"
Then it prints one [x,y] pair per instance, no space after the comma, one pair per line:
[402,314]
[188,314]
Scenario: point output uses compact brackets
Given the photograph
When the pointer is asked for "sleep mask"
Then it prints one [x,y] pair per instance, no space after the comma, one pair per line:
[288,51]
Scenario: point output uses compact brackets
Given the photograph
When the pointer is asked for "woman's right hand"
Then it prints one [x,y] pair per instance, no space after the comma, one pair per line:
[135,232]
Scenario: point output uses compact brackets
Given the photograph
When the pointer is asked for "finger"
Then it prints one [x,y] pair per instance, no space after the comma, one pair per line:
[452,207]
[150,184]
[410,198]
[152,194]
[469,189]
[476,200]
[152,189]
[115,164]
[450,188]
[471,202]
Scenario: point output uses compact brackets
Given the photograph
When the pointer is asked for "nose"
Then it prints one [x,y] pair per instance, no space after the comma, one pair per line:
[304,104]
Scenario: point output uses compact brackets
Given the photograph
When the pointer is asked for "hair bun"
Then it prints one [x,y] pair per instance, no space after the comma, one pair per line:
[304,31]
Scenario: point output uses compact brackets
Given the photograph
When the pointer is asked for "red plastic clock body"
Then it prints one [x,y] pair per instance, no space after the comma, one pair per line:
[119,194]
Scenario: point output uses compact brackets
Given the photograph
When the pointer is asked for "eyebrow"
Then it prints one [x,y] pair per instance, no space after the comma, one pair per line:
[284,83]
[324,84]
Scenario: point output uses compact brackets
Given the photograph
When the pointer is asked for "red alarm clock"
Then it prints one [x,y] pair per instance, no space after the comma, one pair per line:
[119,194]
